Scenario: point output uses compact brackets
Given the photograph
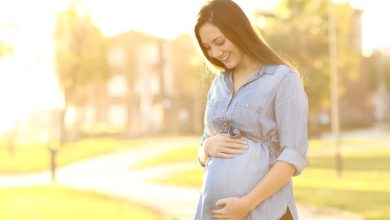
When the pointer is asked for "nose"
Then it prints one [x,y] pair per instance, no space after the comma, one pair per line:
[216,53]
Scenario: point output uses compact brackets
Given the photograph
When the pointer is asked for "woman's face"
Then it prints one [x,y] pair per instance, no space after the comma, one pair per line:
[219,47]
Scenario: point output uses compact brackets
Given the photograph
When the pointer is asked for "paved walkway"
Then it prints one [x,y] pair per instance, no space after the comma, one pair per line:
[110,174]
[374,132]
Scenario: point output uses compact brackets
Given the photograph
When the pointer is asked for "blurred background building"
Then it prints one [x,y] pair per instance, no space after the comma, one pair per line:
[152,88]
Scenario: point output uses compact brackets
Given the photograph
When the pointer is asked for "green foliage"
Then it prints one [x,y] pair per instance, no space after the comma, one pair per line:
[58,203]
[300,33]
[80,60]
[186,65]
[80,54]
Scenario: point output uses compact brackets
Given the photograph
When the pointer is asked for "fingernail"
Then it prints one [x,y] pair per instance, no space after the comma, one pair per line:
[231,155]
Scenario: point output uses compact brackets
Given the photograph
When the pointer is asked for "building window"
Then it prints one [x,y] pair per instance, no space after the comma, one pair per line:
[117,115]
[117,85]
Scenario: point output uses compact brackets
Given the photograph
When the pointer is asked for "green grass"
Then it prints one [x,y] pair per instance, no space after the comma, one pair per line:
[191,178]
[363,188]
[35,157]
[185,153]
[361,142]
[374,160]
[57,203]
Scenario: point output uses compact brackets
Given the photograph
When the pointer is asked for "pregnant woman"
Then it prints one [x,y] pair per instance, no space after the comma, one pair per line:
[255,136]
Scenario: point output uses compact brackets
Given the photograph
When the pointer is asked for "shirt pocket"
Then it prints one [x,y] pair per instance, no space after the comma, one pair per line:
[246,117]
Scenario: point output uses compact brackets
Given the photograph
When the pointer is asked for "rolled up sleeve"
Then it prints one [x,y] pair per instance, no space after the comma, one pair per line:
[206,131]
[291,112]
[204,137]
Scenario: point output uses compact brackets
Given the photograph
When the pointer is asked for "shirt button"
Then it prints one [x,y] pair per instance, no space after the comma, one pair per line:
[246,105]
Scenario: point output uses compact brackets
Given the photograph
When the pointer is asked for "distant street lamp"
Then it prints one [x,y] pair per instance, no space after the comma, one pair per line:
[44,139]
[382,102]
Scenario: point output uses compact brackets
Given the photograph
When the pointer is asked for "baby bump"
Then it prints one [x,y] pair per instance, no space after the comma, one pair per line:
[226,177]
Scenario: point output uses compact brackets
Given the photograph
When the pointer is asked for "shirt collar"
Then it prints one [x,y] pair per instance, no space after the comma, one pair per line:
[269,69]
[266,69]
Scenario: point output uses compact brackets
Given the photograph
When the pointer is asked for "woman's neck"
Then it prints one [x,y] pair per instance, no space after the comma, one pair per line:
[243,72]
[247,67]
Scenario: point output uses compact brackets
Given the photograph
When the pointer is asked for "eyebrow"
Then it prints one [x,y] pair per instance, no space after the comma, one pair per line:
[213,41]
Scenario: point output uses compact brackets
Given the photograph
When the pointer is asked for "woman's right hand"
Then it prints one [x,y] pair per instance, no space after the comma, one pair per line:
[223,145]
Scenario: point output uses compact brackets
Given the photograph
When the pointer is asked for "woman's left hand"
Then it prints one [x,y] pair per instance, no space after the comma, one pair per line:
[233,208]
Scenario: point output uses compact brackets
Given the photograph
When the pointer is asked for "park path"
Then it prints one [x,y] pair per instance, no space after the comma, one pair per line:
[111,174]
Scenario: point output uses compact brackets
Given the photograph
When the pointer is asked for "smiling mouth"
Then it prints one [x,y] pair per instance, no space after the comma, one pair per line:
[225,59]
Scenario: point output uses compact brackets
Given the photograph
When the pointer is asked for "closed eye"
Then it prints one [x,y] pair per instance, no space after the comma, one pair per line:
[220,42]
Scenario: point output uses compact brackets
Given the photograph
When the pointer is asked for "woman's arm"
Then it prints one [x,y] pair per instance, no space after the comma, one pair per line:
[278,176]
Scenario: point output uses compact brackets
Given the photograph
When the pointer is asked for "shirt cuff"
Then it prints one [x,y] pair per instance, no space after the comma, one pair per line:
[294,158]
[201,163]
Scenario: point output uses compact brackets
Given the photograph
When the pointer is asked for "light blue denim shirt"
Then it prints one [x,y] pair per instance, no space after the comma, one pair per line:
[270,112]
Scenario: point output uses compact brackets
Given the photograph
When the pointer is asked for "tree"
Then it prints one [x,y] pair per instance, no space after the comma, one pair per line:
[186,67]
[80,58]
[300,31]
[6,49]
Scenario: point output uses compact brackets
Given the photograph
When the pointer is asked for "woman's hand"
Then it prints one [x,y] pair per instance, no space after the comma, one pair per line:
[222,145]
[233,208]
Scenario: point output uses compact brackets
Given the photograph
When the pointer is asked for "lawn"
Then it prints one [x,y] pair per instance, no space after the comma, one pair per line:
[58,203]
[28,157]
[186,153]
[363,188]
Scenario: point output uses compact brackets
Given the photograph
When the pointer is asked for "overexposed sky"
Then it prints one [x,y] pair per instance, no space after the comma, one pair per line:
[165,18]
[375,33]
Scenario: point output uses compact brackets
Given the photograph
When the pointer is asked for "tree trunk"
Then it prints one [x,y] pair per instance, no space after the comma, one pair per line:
[63,133]
[11,137]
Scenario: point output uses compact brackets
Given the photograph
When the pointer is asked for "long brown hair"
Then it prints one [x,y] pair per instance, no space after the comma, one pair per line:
[235,25]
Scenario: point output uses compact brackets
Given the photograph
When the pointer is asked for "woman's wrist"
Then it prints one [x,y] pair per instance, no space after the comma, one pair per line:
[202,155]
[249,202]
[204,149]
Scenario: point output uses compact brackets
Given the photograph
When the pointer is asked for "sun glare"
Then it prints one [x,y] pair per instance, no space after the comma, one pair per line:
[375,35]
[27,79]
